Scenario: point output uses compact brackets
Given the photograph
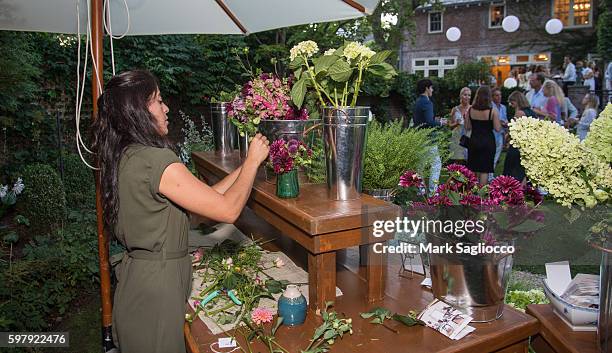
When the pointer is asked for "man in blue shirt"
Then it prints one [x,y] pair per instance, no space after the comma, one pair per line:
[536,96]
[424,118]
[503,118]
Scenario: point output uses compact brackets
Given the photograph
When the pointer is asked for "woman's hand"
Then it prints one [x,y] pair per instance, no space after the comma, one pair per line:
[259,149]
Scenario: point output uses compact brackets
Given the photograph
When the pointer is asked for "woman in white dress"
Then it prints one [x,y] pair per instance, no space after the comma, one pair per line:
[459,154]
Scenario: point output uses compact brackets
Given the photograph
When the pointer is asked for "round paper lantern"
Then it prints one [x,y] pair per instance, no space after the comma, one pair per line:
[453,34]
[511,24]
[510,82]
[554,26]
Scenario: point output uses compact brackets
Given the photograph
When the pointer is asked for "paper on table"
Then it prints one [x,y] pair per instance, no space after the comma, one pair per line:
[446,319]
[558,276]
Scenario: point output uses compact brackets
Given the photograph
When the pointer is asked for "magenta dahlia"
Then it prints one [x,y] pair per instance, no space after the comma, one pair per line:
[410,179]
[506,189]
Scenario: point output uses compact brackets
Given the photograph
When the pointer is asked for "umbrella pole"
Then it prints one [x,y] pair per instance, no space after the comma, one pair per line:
[97,36]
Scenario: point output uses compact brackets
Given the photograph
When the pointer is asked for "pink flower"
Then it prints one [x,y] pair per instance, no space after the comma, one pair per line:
[439,200]
[285,154]
[459,172]
[507,189]
[262,316]
[472,200]
[196,303]
[197,255]
[410,179]
[279,262]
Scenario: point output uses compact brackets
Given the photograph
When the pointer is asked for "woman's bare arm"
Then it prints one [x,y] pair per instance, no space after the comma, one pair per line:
[181,187]
[225,183]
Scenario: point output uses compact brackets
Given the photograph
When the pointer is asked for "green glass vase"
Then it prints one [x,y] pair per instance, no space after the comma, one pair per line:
[287,185]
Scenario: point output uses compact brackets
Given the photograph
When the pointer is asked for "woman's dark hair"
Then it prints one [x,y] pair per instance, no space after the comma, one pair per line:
[482,99]
[123,119]
[422,85]
[520,99]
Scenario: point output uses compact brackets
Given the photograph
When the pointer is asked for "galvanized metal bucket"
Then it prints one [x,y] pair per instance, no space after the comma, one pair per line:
[474,284]
[288,129]
[604,322]
[224,132]
[243,145]
[344,136]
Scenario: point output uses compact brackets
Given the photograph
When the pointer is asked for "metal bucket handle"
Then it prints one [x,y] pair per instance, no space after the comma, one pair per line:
[346,117]
[306,131]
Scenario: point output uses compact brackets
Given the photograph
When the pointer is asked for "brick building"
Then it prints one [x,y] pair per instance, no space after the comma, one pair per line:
[482,35]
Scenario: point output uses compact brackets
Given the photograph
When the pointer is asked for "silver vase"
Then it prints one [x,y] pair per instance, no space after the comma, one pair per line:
[224,132]
[243,145]
[344,136]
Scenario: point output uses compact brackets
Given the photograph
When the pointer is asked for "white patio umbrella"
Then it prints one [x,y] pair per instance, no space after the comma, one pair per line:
[180,16]
[151,17]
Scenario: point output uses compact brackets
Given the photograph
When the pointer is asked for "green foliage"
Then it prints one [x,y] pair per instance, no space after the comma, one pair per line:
[79,183]
[18,70]
[391,150]
[44,199]
[519,299]
[332,328]
[194,139]
[468,74]
[51,273]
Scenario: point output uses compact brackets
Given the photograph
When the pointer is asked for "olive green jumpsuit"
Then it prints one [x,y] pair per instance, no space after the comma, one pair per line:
[154,277]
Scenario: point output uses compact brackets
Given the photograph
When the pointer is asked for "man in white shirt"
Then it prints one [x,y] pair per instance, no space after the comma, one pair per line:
[503,118]
[569,77]
[536,95]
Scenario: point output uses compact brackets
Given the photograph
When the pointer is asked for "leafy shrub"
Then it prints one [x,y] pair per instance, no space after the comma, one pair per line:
[44,199]
[79,183]
[51,274]
[391,150]
[195,139]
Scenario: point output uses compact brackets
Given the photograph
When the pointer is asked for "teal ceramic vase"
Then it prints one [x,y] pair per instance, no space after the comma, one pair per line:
[287,185]
[292,306]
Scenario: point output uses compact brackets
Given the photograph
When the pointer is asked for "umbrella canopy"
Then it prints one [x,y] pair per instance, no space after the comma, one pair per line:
[147,17]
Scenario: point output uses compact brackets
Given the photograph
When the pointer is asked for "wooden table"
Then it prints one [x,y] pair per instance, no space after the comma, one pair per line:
[509,334]
[556,337]
[319,224]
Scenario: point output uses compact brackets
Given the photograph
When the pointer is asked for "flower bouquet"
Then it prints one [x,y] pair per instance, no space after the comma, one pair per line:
[470,231]
[335,74]
[263,98]
[285,158]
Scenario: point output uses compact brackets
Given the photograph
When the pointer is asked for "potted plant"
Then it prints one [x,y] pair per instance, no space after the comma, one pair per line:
[285,158]
[390,151]
[577,174]
[470,265]
[336,78]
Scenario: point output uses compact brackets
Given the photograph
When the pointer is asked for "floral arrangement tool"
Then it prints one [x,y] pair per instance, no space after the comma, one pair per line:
[230,293]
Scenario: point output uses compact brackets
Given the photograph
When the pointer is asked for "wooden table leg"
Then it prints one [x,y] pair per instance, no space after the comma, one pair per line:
[376,272]
[321,279]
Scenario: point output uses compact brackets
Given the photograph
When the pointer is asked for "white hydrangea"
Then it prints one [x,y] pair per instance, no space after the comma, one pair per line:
[329,52]
[3,191]
[306,48]
[556,160]
[354,49]
[18,187]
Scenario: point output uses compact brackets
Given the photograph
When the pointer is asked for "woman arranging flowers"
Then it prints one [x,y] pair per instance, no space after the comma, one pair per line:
[285,158]
[146,204]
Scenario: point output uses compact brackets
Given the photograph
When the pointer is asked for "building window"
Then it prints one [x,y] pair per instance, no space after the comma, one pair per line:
[435,22]
[433,67]
[573,13]
[497,12]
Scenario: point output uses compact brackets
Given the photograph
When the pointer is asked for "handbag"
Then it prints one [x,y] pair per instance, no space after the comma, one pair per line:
[464,141]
